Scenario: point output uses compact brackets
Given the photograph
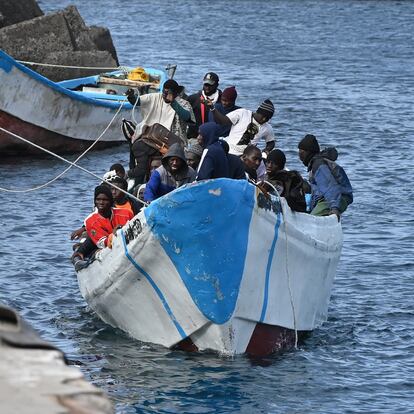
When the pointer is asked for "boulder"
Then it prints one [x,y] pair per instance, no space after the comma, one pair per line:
[60,38]
[12,12]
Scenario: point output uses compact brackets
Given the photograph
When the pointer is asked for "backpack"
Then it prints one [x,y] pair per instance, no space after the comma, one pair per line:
[293,189]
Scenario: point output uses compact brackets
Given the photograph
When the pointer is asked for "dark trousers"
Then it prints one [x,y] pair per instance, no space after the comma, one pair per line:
[142,153]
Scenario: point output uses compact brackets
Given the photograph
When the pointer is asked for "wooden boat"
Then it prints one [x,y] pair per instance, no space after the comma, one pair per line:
[67,116]
[216,265]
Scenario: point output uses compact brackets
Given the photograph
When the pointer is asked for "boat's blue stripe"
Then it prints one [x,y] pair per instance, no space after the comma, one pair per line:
[268,268]
[155,287]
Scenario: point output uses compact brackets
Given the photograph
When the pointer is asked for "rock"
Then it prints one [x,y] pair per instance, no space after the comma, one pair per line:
[97,58]
[12,12]
[60,38]
[102,38]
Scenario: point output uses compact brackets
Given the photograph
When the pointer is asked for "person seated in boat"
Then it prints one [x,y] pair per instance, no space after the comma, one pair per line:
[173,173]
[331,189]
[214,162]
[252,158]
[193,155]
[101,225]
[121,200]
[248,128]
[275,161]
[167,109]
[236,165]
[210,93]
[119,170]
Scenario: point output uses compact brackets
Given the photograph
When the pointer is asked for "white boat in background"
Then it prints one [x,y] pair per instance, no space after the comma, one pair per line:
[216,265]
[68,116]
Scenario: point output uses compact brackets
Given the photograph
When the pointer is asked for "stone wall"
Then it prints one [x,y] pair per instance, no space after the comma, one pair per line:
[60,38]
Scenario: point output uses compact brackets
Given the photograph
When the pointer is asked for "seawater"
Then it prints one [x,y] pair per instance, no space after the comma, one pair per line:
[342,70]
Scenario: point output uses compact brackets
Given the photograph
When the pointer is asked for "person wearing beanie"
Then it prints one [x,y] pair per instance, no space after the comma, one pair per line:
[101,224]
[193,155]
[201,100]
[248,128]
[331,190]
[275,162]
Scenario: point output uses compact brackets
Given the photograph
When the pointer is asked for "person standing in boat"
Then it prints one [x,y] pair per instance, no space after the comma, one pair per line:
[173,173]
[167,109]
[202,100]
[247,127]
[331,188]
[214,162]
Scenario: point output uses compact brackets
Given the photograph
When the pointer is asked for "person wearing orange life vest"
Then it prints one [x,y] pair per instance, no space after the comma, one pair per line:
[102,223]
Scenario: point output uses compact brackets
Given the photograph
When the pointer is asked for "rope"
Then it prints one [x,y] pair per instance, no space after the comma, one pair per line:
[292,304]
[72,164]
[69,67]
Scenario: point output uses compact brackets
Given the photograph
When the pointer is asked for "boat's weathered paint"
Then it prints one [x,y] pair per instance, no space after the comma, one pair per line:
[216,265]
[33,104]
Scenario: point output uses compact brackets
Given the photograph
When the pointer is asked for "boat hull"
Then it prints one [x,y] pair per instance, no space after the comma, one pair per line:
[217,266]
[51,116]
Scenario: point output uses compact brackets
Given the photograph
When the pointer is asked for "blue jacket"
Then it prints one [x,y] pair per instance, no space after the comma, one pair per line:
[162,181]
[214,163]
[329,182]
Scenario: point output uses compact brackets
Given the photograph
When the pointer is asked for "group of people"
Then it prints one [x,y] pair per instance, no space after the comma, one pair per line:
[209,137]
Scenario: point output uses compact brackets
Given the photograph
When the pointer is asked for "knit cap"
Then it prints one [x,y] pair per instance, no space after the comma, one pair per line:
[266,108]
[230,93]
[196,149]
[278,157]
[310,144]
[104,189]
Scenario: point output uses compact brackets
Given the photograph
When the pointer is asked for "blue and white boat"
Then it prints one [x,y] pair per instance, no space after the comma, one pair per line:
[66,116]
[217,265]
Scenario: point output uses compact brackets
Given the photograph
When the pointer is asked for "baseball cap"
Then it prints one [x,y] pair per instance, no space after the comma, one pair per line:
[211,78]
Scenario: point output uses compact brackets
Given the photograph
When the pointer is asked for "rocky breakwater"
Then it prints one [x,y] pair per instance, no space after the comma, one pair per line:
[60,38]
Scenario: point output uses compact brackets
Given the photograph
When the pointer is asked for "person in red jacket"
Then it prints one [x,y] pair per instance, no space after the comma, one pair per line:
[101,224]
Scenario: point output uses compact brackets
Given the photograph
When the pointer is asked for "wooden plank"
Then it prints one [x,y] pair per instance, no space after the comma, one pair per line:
[127,82]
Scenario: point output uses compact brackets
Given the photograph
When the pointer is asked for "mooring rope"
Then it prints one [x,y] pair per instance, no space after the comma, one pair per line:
[71,164]
[52,65]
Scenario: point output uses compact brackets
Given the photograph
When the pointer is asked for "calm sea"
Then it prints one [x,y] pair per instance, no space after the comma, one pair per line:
[343,70]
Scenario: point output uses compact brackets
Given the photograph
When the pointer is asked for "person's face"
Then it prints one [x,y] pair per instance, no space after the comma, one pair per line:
[209,89]
[302,155]
[226,103]
[272,167]
[141,193]
[192,160]
[200,139]
[175,163]
[168,95]
[260,118]
[120,173]
[154,165]
[253,160]
[103,203]
[117,194]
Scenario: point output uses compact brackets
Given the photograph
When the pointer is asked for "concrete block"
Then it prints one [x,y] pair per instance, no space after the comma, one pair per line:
[17,11]
[102,38]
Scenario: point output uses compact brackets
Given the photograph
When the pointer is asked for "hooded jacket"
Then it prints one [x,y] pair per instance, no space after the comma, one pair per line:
[162,181]
[328,180]
[214,163]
